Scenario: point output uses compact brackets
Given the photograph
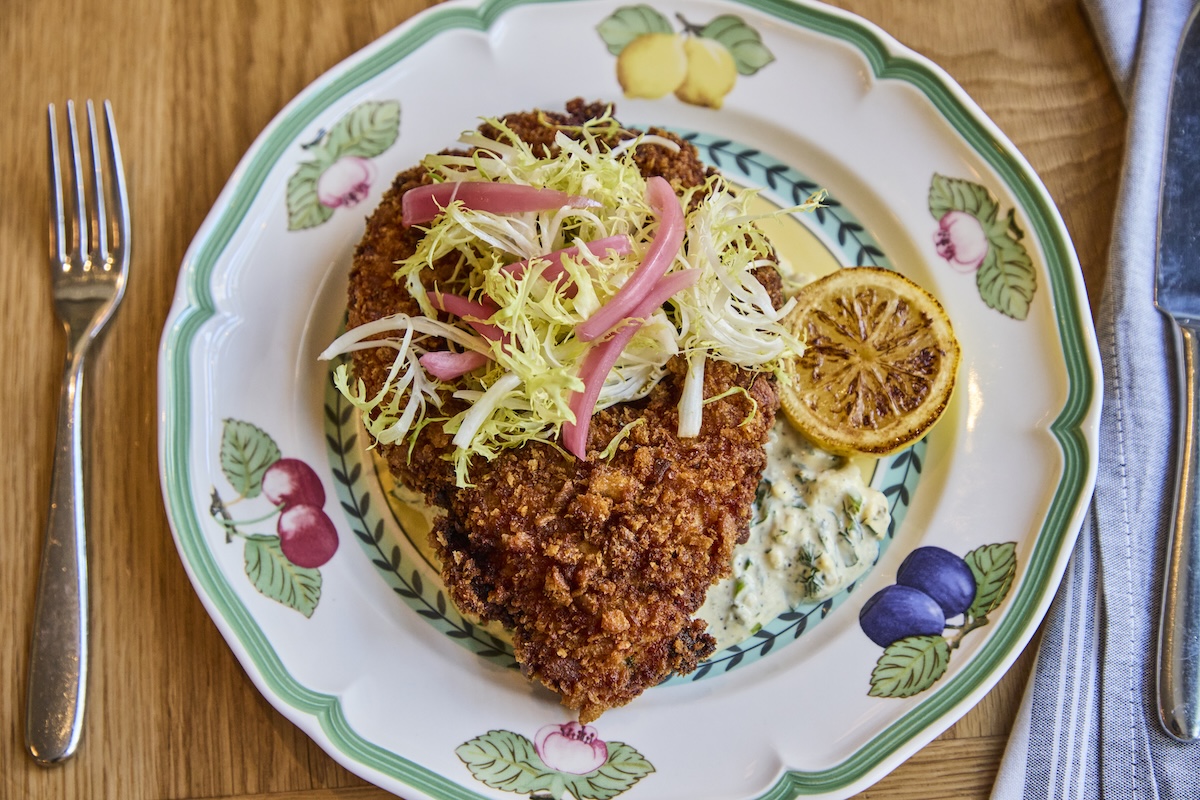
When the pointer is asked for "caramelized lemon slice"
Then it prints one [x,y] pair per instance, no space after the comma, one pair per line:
[879,364]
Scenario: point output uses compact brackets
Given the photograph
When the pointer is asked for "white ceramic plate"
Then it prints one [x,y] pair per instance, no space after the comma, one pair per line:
[362,651]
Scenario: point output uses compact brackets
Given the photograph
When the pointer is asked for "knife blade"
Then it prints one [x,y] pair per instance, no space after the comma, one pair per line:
[1177,294]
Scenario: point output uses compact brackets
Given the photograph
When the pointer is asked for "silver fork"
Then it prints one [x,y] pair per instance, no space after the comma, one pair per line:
[89,262]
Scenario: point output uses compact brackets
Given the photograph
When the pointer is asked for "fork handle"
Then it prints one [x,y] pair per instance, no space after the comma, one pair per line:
[59,652]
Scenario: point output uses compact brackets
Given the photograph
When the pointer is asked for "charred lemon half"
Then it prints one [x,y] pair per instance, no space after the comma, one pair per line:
[879,362]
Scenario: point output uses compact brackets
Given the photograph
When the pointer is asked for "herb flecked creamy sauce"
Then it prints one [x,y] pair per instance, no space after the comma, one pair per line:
[816,528]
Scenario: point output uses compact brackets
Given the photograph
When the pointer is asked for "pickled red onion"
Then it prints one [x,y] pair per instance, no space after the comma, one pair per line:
[446,365]
[621,245]
[602,356]
[424,203]
[658,260]
[473,311]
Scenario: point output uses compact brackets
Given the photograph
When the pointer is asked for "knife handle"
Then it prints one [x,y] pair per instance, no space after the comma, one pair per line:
[1179,631]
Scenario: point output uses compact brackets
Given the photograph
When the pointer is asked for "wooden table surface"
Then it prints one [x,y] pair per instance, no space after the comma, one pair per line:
[170,712]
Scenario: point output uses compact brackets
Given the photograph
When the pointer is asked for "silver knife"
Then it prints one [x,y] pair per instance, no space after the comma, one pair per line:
[1177,294]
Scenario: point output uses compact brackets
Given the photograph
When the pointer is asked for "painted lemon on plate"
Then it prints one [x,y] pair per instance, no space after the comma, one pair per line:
[699,64]
[652,65]
[711,73]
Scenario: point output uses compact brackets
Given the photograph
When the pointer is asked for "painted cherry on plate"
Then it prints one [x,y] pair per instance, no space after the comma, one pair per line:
[307,536]
[289,482]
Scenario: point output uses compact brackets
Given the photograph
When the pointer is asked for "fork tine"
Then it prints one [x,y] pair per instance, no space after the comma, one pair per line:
[58,235]
[79,240]
[98,249]
[120,196]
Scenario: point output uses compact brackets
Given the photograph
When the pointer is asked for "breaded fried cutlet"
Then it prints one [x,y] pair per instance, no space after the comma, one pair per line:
[596,567]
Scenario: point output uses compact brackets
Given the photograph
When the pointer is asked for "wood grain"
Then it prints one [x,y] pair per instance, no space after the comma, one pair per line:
[171,714]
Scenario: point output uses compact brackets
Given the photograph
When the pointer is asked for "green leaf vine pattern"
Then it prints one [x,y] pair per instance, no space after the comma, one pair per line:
[429,601]
[763,641]
[897,489]
[858,246]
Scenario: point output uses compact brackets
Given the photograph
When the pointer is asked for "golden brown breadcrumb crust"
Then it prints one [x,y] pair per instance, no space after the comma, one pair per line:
[596,567]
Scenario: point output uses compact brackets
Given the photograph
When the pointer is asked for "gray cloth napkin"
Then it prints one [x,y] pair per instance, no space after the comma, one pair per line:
[1088,726]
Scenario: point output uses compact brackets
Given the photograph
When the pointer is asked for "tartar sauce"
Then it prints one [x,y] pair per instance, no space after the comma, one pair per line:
[817,526]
